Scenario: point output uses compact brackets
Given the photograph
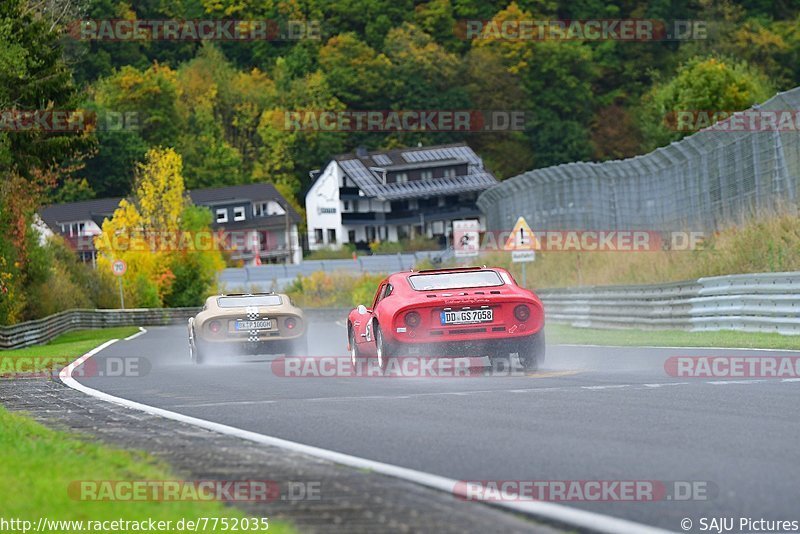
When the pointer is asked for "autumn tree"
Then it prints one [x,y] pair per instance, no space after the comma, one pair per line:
[147,233]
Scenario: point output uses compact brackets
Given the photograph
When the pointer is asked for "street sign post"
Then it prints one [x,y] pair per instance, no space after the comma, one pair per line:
[523,256]
[118,268]
[522,243]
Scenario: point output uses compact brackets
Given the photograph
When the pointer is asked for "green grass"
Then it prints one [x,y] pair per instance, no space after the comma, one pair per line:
[73,343]
[557,334]
[38,465]
[62,350]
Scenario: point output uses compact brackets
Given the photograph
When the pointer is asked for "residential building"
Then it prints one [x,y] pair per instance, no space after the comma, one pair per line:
[258,224]
[391,195]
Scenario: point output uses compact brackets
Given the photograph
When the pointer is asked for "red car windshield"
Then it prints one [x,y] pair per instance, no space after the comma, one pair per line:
[427,282]
[240,302]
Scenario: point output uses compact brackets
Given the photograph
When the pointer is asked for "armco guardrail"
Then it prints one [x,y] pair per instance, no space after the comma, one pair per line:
[748,302]
[43,330]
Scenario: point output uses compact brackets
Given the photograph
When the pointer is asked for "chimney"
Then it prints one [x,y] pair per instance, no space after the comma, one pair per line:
[361,151]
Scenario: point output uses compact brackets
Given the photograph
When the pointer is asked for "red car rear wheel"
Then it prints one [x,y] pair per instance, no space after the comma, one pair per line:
[382,349]
[532,351]
[355,356]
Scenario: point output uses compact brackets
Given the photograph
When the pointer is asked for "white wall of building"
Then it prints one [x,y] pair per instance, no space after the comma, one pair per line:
[323,209]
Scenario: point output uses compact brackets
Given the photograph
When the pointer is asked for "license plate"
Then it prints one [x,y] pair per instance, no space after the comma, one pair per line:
[265,324]
[466,316]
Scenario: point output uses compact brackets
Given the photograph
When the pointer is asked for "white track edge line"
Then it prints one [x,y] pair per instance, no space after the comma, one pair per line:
[137,334]
[548,511]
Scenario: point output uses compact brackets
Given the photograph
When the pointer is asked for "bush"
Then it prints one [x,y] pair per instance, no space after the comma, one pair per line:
[194,280]
[330,254]
[404,245]
[333,290]
[61,282]
[58,294]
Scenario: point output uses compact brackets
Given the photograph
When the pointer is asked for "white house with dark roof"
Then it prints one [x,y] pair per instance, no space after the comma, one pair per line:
[260,223]
[391,195]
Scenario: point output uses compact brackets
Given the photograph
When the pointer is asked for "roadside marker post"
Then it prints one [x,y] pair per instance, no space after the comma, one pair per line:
[523,245]
[118,268]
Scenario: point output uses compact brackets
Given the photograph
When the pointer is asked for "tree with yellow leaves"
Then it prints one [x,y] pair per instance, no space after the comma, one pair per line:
[144,231]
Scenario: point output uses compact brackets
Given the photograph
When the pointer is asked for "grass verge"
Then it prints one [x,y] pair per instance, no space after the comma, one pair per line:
[557,334]
[61,351]
[38,466]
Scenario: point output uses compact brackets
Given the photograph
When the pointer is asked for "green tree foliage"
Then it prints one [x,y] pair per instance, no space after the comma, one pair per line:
[109,168]
[701,85]
[222,105]
[33,77]
[150,94]
[355,72]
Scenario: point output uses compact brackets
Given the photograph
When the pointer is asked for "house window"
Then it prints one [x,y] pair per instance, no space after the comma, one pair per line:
[331,235]
[265,209]
[351,236]
[449,173]
[426,175]
[222,215]
[238,213]
[318,235]
[346,205]
[401,177]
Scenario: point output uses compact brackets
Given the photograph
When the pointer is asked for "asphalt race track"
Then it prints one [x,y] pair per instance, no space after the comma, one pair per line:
[592,413]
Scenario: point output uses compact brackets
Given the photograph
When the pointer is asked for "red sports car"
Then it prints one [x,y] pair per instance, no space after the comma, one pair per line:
[473,311]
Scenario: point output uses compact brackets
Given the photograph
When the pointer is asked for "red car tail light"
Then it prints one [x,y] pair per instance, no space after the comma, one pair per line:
[522,312]
[214,326]
[290,323]
[412,319]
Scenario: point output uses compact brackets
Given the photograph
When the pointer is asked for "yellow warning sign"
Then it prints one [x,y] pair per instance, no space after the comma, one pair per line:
[522,237]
